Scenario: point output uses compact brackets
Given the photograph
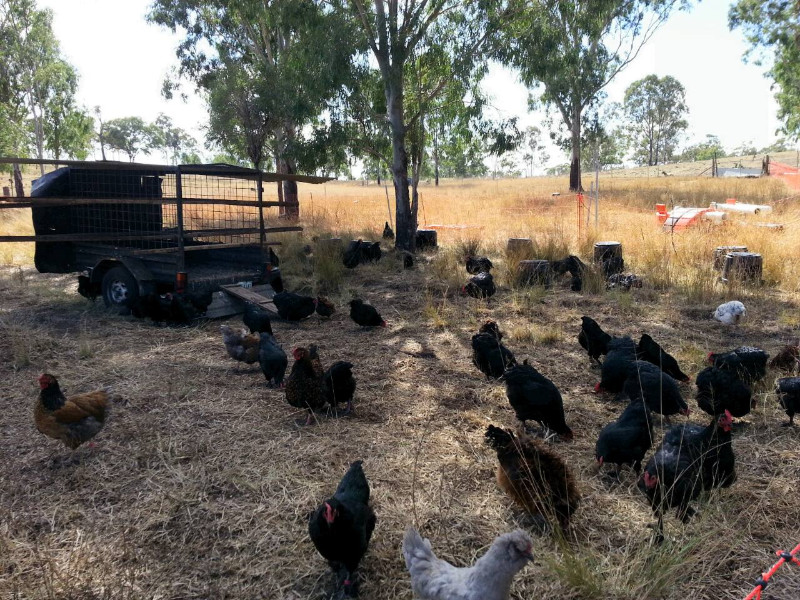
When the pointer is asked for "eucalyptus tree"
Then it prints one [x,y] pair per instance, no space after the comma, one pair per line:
[772,27]
[37,88]
[131,135]
[67,129]
[574,49]
[431,42]
[279,64]
[176,143]
[655,108]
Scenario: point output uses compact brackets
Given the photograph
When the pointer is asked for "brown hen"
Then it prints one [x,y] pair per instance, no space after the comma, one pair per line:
[304,384]
[73,420]
[534,476]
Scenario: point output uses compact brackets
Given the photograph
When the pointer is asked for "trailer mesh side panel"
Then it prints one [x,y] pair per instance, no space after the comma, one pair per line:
[198,217]
[150,221]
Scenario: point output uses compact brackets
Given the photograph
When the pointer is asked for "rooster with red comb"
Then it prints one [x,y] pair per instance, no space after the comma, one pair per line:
[342,527]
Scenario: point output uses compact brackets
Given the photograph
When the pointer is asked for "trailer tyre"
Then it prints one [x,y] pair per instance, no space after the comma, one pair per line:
[120,289]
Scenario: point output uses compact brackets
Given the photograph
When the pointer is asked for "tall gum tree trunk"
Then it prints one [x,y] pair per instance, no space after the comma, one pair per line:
[575,166]
[18,185]
[405,227]
[290,187]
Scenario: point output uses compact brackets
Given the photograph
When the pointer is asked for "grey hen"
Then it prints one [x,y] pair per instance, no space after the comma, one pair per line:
[488,579]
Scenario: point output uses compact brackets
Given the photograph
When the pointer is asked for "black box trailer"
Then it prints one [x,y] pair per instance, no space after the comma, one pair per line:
[137,229]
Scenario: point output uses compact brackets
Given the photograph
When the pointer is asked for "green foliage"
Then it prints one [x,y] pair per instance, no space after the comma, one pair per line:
[744,149]
[428,54]
[558,170]
[37,87]
[772,27]
[533,149]
[177,145]
[655,108]
[269,69]
[132,135]
[780,145]
[573,49]
[705,150]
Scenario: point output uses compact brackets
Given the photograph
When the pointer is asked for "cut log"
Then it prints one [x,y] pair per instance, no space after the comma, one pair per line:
[427,238]
[720,252]
[534,272]
[605,250]
[743,266]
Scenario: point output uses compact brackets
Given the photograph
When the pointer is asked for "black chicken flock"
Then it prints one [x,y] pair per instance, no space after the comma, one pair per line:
[691,459]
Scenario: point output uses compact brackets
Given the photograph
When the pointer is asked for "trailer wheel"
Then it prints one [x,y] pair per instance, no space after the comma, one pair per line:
[120,289]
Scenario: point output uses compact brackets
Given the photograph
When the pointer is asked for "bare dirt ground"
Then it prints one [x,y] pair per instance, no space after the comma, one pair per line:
[200,486]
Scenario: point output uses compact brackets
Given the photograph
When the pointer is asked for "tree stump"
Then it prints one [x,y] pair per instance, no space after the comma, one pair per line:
[534,272]
[605,250]
[743,266]
[721,251]
[519,247]
[426,238]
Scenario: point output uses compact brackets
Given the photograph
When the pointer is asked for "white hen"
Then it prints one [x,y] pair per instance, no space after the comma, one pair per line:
[488,579]
[730,313]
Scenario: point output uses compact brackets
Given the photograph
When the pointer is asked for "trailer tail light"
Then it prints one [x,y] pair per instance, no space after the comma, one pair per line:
[181,279]
[269,267]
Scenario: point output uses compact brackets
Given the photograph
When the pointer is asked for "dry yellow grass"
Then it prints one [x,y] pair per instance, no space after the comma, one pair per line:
[201,484]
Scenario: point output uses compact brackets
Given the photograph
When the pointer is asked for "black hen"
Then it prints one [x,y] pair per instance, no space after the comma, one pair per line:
[152,306]
[691,458]
[647,349]
[659,391]
[488,354]
[365,314]
[626,440]
[339,385]
[352,255]
[342,526]
[480,286]
[256,319]
[371,252]
[479,264]
[748,363]
[272,359]
[388,234]
[294,307]
[571,264]
[592,338]
[718,391]
[621,354]
[273,258]
[788,390]
[87,289]
[534,397]
[325,308]
[359,251]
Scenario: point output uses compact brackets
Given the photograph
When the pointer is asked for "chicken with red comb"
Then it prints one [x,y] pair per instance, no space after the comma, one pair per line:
[342,526]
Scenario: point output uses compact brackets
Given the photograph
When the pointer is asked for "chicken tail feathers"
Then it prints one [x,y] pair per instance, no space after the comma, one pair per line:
[355,482]
[498,438]
[415,550]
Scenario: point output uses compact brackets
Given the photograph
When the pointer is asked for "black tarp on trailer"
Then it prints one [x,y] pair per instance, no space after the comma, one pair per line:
[72,182]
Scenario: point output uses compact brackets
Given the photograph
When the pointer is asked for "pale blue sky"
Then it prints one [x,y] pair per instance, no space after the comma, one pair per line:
[122,62]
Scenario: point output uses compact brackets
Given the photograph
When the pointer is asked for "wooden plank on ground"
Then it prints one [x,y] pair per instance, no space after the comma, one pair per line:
[252,297]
